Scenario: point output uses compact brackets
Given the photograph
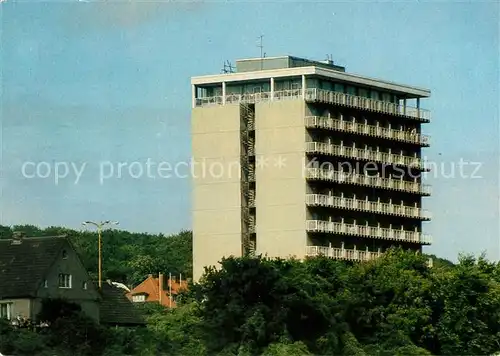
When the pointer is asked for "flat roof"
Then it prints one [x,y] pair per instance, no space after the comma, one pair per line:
[412,91]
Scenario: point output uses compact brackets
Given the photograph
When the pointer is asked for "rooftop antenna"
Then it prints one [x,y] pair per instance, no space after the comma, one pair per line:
[228,68]
[261,46]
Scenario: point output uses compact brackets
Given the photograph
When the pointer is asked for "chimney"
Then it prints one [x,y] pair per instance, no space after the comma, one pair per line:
[160,287]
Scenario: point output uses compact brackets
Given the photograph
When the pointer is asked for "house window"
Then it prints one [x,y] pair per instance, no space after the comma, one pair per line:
[64,255]
[139,298]
[64,280]
[84,285]
[6,311]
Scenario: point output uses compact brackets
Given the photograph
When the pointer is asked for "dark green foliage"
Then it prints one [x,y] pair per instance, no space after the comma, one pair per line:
[53,309]
[70,329]
[395,305]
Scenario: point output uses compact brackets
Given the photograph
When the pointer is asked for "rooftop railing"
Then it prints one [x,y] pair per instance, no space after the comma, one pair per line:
[332,97]
[320,95]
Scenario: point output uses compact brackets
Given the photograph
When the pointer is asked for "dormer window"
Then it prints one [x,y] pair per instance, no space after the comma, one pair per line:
[139,298]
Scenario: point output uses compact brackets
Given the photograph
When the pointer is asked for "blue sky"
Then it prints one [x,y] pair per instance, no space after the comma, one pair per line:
[87,82]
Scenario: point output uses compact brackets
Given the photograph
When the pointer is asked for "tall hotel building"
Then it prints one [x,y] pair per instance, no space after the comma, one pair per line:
[298,158]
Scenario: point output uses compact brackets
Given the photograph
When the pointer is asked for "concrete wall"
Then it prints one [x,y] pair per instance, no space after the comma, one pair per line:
[216,185]
[280,188]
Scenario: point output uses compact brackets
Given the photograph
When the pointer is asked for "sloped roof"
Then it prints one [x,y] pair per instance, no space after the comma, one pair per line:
[151,287]
[24,264]
[117,309]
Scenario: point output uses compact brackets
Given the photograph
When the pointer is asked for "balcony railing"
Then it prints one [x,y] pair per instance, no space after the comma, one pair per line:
[361,179]
[364,154]
[367,231]
[321,95]
[368,130]
[366,205]
[347,254]
[341,253]
[327,96]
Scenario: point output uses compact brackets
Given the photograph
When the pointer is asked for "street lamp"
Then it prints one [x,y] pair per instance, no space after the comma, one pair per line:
[99,227]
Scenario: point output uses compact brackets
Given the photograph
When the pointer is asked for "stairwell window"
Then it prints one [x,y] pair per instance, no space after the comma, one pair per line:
[64,280]
[6,311]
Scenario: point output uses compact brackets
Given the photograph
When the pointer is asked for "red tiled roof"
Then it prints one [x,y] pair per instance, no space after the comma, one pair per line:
[151,287]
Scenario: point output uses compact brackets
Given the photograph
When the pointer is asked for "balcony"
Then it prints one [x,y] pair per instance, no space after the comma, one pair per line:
[341,253]
[331,97]
[364,180]
[367,231]
[364,154]
[320,95]
[366,205]
[367,130]
[347,254]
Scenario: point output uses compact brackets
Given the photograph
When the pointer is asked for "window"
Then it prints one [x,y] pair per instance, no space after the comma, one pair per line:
[64,280]
[84,285]
[386,97]
[139,298]
[6,311]
[64,255]
[45,284]
[351,90]
[363,92]
[257,89]
[296,86]
[338,87]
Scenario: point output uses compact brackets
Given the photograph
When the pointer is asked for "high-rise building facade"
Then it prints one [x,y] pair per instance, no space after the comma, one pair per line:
[295,158]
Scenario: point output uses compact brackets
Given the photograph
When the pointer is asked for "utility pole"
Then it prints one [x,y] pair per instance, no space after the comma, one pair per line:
[99,226]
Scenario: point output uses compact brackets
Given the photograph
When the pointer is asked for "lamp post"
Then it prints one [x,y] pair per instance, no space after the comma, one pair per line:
[99,226]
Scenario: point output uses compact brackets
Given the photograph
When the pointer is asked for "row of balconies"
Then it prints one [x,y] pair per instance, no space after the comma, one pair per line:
[320,95]
[364,129]
[367,231]
[365,180]
[366,205]
[364,154]
[346,254]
